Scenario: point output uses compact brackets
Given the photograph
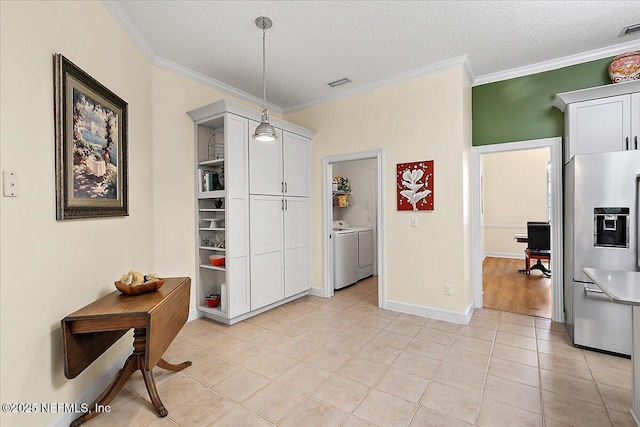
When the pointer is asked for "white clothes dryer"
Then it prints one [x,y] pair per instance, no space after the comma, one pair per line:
[345,258]
[348,258]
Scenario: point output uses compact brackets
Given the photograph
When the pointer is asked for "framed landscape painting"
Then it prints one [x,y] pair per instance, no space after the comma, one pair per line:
[91,146]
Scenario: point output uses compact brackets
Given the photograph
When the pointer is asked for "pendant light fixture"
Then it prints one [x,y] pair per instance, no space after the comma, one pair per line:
[264,132]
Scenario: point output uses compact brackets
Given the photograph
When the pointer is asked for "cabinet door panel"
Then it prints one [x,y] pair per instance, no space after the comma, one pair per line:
[600,126]
[265,162]
[237,240]
[237,254]
[296,222]
[238,292]
[267,251]
[297,271]
[236,169]
[266,279]
[296,232]
[296,164]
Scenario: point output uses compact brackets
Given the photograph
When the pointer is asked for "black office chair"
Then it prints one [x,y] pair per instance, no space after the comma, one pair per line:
[538,247]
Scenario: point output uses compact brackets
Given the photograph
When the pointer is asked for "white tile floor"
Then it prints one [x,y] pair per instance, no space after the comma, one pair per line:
[344,362]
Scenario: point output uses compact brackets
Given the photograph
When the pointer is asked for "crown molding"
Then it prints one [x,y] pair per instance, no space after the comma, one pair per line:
[127,24]
[190,74]
[469,70]
[130,28]
[118,12]
[555,64]
[418,72]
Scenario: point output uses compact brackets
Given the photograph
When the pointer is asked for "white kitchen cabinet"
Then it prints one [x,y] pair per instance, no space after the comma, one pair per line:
[279,188]
[266,164]
[599,126]
[295,153]
[280,167]
[601,119]
[296,245]
[267,250]
[263,237]
[279,248]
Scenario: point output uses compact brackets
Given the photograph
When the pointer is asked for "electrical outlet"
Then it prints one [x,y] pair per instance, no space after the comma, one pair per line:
[414,221]
[447,289]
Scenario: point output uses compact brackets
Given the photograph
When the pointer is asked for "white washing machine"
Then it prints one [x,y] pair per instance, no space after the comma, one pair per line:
[352,253]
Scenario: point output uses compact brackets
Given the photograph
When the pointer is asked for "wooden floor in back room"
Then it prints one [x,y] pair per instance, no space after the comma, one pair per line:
[505,289]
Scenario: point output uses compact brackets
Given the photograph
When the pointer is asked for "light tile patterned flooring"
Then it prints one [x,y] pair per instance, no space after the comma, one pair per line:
[344,362]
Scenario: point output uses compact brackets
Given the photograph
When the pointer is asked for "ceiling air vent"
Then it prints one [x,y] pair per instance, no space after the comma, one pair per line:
[634,28]
[340,82]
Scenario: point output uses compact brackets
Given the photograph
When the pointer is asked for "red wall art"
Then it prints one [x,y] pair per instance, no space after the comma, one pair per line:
[414,183]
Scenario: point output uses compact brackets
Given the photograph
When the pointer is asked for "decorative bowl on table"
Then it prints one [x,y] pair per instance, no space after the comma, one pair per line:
[137,289]
[217,260]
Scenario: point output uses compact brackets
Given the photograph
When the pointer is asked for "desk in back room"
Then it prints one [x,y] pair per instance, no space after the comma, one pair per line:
[156,318]
[521,237]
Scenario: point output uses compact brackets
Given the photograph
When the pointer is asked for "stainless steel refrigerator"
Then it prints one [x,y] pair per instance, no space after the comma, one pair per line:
[601,207]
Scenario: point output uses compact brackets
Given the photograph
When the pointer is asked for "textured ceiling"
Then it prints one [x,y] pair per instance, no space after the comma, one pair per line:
[313,43]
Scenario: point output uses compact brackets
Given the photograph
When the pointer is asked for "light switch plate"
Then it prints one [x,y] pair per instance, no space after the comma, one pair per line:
[9,184]
[414,221]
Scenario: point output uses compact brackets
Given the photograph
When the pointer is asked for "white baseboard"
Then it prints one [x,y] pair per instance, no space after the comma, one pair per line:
[318,292]
[433,313]
[194,314]
[503,255]
[94,390]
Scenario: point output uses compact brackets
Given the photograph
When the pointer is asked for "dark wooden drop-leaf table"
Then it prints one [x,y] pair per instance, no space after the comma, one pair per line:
[156,318]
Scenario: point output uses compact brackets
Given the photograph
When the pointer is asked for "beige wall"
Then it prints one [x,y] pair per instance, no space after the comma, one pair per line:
[420,119]
[173,176]
[361,211]
[50,269]
[514,192]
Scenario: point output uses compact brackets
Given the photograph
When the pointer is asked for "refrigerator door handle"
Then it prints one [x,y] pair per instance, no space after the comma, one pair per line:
[627,139]
[638,219]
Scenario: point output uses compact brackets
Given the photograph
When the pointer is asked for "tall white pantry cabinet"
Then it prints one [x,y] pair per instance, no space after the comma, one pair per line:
[252,207]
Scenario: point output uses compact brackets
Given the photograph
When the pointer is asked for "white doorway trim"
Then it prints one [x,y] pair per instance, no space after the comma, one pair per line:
[555,146]
[327,215]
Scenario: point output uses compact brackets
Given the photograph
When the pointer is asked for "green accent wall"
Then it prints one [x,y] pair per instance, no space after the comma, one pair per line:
[521,109]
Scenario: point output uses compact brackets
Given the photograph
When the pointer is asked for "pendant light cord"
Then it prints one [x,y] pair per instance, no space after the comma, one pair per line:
[264,82]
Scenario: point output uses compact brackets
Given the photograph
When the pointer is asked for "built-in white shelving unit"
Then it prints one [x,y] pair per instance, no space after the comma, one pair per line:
[230,169]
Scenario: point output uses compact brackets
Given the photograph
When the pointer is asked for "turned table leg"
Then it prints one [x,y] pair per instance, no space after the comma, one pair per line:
[173,367]
[129,368]
[139,346]
[134,362]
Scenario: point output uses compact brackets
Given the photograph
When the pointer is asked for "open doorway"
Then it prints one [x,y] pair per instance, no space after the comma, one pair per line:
[500,234]
[516,190]
[353,222]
